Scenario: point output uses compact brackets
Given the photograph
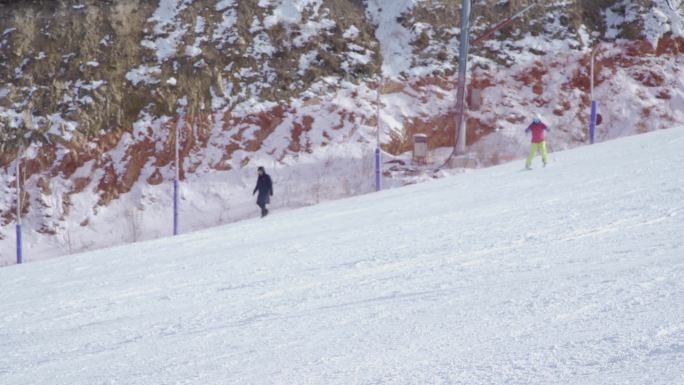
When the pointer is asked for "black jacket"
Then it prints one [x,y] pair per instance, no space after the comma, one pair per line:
[265,188]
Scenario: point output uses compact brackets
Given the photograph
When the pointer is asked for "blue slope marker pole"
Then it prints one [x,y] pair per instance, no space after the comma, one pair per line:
[19,242]
[592,126]
[594,105]
[378,180]
[19,249]
[377,141]
[377,169]
[175,207]
[175,185]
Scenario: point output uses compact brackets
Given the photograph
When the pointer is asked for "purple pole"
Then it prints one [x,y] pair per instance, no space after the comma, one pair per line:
[175,207]
[592,125]
[377,169]
[19,246]
[19,249]
[377,139]
[175,181]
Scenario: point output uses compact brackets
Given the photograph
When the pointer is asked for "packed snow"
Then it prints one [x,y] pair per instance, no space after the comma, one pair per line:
[569,274]
[144,74]
[393,37]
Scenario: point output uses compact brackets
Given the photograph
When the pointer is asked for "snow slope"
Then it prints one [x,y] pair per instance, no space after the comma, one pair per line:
[572,274]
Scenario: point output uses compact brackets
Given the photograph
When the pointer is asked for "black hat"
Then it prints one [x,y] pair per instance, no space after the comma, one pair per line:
[261,168]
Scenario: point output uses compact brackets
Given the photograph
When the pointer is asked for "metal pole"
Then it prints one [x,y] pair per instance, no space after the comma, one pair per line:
[594,106]
[377,140]
[459,146]
[591,76]
[19,242]
[504,23]
[176,182]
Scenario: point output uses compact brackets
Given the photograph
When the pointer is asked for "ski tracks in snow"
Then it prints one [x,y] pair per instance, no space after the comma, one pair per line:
[573,274]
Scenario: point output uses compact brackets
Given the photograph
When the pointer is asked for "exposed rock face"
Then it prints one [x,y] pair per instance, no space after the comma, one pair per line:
[91,66]
[100,65]
[102,86]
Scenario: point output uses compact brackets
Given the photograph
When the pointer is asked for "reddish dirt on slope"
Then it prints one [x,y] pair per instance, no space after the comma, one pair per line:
[249,132]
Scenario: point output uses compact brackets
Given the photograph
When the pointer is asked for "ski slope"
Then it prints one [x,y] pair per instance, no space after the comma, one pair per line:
[570,274]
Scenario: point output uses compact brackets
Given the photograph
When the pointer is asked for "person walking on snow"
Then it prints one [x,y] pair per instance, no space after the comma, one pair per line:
[538,143]
[265,188]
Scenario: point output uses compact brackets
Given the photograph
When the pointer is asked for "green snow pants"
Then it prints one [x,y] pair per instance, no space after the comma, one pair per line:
[533,152]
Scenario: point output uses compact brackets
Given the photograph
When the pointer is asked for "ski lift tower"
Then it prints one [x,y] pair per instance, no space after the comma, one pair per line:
[459,153]
[458,157]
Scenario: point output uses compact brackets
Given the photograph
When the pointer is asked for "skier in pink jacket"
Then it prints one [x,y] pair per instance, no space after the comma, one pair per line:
[538,143]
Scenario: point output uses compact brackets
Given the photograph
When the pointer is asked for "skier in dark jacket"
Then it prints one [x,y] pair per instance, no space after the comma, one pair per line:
[265,188]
